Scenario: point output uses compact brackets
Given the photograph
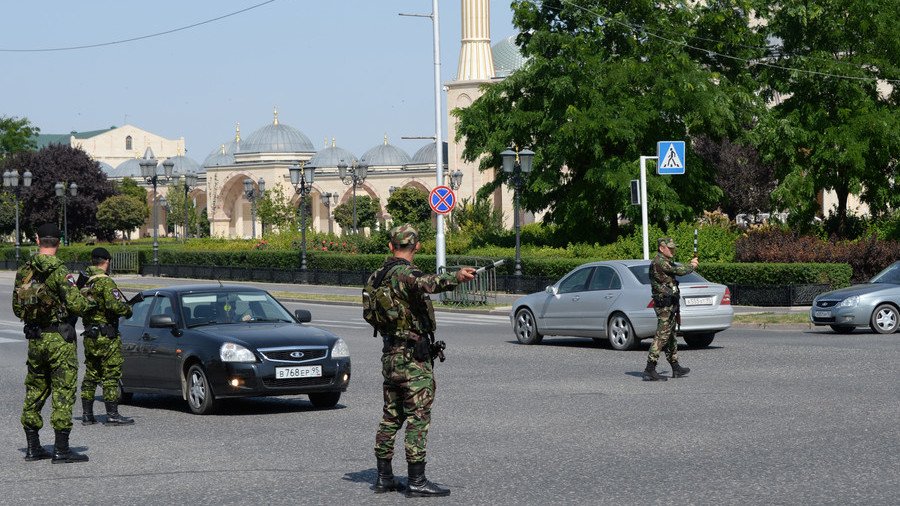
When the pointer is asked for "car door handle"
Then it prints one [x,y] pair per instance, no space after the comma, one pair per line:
[147,337]
[576,298]
[608,296]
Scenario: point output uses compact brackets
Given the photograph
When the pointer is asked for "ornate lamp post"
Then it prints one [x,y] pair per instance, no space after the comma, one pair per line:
[188,180]
[515,164]
[254,194]
[11,180]
[302,179]
[326,199]
[355,175]
[148,170]
[456,179]
[62,194]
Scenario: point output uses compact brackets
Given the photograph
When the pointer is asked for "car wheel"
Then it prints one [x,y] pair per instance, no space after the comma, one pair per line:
[885,319]
[124,397]
[699,340]
[325,399]
[526,327]
[620,333]
[200,396]
[842,329]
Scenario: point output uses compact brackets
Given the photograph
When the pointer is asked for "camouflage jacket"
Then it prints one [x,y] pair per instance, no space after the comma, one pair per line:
[110,303]
[64,299]
[662,275]
[411,287]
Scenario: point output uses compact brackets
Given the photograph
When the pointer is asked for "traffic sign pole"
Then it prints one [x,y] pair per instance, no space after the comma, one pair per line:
[644,219]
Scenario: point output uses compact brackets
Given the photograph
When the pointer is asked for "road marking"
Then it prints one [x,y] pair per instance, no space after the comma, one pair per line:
[5,340]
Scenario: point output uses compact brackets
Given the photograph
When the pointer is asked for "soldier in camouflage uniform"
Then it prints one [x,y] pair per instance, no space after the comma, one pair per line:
[666,297]
[407,361]
[102,343]
[47,299]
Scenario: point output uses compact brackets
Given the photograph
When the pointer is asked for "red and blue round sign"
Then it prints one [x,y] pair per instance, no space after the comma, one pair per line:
[441,199]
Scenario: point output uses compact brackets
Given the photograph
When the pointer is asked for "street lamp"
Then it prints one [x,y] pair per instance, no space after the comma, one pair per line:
[63,195]
[187,180]
[456,179]
[11,180]
[355,175]
[302,179]
[148,170]
[254,194]
[326,199]
[515,164]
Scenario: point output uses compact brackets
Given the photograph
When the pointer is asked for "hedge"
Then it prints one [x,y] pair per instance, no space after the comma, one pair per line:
[774,274]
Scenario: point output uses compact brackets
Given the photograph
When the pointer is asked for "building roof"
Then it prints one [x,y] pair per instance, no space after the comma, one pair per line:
[106,168]
[44,140]
[385,155]
[507,57]
[425,155]
[184,165]
[129,168]
[223,155]
[277,138]
[331,157]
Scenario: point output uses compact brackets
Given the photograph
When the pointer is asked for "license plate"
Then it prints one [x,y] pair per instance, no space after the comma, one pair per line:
[302,371]
[823,314]
[698,301]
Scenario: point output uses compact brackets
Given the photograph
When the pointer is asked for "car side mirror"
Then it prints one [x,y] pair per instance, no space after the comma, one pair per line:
[161,321]
[302,316]
[552,290]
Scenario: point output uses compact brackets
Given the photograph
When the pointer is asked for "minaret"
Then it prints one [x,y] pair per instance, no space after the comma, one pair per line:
[475,60]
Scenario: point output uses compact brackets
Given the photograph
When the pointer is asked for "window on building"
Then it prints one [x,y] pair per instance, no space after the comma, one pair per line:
[128,143]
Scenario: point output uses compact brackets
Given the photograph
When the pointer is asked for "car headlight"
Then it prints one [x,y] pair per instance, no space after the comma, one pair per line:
[850,301]
[231,352]
[340,349]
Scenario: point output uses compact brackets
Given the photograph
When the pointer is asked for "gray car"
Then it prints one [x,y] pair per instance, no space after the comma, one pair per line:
[611,300]
[874,304]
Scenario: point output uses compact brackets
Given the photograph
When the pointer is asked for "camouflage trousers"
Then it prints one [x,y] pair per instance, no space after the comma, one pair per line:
[665,335]
[52,370]
[408,394]
[102,366]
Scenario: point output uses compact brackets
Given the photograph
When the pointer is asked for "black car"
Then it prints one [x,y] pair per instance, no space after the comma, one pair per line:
[211,342]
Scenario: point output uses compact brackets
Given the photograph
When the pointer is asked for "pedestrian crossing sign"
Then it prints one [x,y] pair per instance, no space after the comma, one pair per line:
[670,157]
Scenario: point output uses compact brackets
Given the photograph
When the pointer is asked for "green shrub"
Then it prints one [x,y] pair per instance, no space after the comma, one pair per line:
[766,274]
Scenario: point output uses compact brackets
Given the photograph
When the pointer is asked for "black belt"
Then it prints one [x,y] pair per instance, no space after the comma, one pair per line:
[51,328]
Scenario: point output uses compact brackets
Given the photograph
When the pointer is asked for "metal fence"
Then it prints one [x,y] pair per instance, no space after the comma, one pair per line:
[125,261]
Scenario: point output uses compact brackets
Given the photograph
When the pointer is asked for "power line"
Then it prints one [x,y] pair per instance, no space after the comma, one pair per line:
[142,37]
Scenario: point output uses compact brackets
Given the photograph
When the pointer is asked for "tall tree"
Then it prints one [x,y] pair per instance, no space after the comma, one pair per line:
[122,212]
[16,135]
[366,213]
[275,210]
[604,82]
[177,203]
[834,125]
[409,205]
[64,164]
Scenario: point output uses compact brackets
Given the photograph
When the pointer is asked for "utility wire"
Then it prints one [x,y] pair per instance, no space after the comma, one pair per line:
[142,37]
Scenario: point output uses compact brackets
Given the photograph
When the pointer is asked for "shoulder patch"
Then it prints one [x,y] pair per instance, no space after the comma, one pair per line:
[70,278]
[118,294]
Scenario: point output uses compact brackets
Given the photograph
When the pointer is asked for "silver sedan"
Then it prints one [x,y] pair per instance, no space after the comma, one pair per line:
[611,300]
[875,304]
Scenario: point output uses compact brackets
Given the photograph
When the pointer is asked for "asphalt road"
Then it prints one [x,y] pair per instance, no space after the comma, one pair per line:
[789,416]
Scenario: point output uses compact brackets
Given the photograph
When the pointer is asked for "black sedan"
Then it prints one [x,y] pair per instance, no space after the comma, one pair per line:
[211,342]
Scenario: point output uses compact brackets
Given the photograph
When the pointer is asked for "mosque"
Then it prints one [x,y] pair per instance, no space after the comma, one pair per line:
[266,154]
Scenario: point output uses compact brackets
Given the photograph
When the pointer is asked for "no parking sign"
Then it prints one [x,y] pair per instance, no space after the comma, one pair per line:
[441,199]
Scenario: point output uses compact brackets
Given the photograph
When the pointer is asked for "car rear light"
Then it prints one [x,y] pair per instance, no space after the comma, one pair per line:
[651,304]
[726,299]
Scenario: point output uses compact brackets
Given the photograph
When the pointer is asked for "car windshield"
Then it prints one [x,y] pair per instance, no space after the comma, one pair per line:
[223,307]
[642,273]
[891,275]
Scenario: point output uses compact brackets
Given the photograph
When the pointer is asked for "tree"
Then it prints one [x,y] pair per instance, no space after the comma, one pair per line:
[175,216]
[16,135]
[476,218]
[57,163]
[122,212]
[601,86]
[366,213]
[274,209]
[828,132]
[747,182]
[409,205]
[8,213]
[131,188]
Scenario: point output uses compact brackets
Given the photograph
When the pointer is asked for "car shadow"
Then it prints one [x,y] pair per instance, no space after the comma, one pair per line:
[232,407]
[603,344]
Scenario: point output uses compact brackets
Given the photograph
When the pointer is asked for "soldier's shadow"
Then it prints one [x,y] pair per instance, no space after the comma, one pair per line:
[368,477]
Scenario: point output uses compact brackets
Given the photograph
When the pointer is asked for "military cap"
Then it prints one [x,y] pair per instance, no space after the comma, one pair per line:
[49,230]
[667,241]
[405,234]
[101,253]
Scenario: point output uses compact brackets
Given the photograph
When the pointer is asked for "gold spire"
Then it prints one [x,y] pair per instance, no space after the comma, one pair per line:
[385,140]
[332,142]
[325,140]
[180,151]
[223,149]
[237,132]
[275,111]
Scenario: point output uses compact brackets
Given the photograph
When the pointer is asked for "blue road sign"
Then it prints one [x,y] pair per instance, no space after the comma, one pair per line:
[441,199]
[670,157]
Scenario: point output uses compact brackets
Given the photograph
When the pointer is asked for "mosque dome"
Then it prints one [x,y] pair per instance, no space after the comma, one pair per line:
[129,168]
[507,57]
[223,155]
[277,138]
[425,155]
[106,168]
[385,155]
[331,157]
[184,165]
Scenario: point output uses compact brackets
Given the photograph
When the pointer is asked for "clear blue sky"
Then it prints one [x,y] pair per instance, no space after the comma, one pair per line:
[349,69]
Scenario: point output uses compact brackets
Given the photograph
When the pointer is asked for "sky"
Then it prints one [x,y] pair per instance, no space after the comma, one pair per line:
[353,70]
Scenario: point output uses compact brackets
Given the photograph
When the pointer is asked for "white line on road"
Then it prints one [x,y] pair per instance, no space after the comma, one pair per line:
[4,340]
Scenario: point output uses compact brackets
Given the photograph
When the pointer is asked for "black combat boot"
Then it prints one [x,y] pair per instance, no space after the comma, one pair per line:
[385,481]
[650,373]
[678,371]
[62,454]
[35,451]
[113,417]
[87,410]
[419,486]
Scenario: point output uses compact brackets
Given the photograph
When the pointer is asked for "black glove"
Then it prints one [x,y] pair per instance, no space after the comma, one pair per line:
[82,279]
[137,298]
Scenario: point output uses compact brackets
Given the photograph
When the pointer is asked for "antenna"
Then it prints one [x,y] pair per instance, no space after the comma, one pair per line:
[220,283]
